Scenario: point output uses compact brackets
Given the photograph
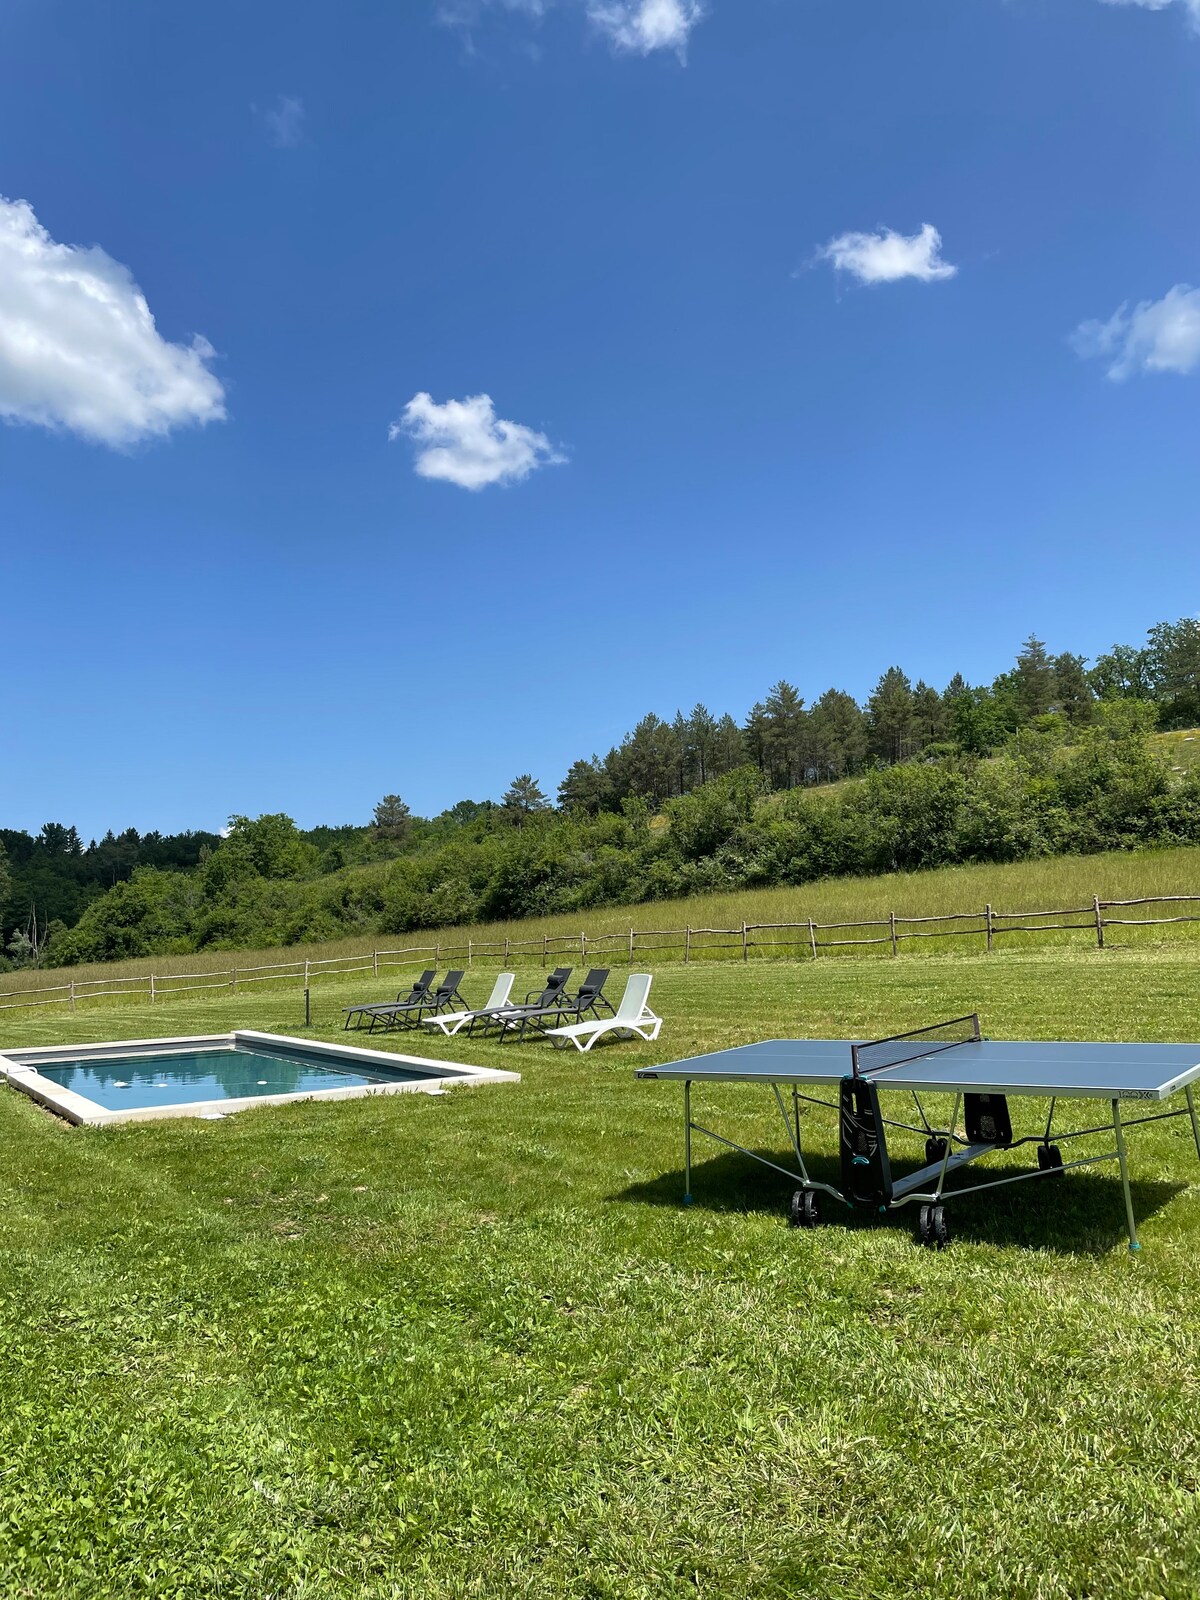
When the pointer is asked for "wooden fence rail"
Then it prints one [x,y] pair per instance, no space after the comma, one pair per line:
[688,943]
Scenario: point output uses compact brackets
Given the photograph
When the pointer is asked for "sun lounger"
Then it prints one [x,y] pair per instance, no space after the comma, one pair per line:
[451,1021]
[496,1016]
[589,1001]
[410,1012]
[633,1017]
[419,990]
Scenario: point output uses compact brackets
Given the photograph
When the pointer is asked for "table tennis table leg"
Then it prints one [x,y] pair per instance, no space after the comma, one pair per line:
[1124,1164]
[687,1142]
[1191,1105]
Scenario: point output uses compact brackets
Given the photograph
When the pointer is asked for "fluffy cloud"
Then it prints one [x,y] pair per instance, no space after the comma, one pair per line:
[285,122]
[645,25]
[1192,7]
[78,345]
[886,257]
[464,442]
[1156,336]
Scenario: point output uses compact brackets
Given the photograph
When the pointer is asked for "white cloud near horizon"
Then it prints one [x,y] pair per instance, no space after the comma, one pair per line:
[464,442]
[79,348]
[887,256]
[641,26]
[1156,336]
[285,122]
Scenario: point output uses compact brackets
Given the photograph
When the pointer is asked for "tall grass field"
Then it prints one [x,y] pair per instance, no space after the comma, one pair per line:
[474,1346]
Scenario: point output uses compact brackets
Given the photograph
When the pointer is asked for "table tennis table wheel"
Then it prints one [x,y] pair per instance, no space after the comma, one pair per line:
[933,1227]
[935,1150]
[805,1209]
[1050,1158]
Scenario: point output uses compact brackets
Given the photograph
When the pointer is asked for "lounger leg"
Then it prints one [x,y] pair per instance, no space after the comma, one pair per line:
[687,1141]
[1124,1165]
[1191,1104]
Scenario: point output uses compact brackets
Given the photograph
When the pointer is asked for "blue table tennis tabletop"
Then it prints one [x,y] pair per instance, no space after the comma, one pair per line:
[1067,1070]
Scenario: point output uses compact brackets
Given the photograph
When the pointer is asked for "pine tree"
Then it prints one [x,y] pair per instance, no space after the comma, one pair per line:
[392,819]
[890,713]
[1034,679]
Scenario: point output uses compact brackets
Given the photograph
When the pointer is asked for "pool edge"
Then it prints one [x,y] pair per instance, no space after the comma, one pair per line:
[24,1077]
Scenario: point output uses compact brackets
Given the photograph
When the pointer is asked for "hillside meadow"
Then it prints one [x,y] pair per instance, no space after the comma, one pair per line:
[1066,883]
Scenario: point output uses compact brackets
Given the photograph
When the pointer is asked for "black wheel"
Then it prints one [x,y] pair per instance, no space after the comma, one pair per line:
[935,1149]
[805,1209]
[933,1227]
[1050,1158]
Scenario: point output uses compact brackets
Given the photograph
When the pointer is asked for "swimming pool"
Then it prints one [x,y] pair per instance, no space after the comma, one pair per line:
[210,1075]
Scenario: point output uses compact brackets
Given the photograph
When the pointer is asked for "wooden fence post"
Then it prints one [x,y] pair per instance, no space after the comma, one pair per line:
[892,924]
[306,974]
[545,948]
[1099,922]
[506,944]
[72,996]
[987,911]
[151,988]
[375,962]
[631,938]
[469,943]
[687,944]
[233,980]
[812,936]
[745,942]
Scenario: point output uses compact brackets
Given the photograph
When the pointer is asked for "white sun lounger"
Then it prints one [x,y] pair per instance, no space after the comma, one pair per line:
[452,1021]
[633,1016]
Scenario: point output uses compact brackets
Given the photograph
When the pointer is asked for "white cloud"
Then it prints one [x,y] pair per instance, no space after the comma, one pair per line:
[466,14]
[641,26]
[285,122]
[1192,7]
[464,442]
[886,257]
[79,348]
[1156,336]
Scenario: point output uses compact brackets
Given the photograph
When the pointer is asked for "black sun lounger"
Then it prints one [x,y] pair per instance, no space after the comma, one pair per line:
[408,1013]
[418,992]
[589,1001]
[497,1016]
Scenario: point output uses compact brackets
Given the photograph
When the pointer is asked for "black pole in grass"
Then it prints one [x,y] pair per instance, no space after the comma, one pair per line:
[307,1009]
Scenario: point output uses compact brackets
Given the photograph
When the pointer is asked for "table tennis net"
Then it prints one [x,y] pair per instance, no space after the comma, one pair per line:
[894,1052]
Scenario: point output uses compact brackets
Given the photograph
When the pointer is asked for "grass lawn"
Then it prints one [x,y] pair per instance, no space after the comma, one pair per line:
[474,1346]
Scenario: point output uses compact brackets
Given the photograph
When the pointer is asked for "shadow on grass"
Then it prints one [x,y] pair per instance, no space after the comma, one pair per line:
[1077,1213]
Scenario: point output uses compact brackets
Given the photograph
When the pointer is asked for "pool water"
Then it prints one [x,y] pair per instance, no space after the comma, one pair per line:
[222,1072]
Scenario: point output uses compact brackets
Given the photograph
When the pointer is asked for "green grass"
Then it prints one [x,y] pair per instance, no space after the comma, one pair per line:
[1063,882]
[473,1346]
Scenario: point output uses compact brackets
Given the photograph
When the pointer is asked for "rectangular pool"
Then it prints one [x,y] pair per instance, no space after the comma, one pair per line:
[135,1080]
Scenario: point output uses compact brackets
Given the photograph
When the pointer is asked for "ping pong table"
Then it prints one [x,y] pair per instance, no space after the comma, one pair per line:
[947,1059]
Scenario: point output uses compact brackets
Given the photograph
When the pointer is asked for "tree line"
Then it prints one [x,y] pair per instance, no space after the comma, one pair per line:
[796,744]
[256,884]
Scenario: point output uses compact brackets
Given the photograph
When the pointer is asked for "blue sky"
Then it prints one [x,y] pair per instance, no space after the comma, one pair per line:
[745,422]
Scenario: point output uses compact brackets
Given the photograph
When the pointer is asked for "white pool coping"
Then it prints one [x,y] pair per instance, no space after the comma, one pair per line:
[22,1074]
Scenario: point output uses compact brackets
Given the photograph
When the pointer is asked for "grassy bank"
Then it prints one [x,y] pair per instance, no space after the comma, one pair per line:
[473,1346]
[1058,882]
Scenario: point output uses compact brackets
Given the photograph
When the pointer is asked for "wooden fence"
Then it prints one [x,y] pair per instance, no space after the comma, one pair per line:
[797,940]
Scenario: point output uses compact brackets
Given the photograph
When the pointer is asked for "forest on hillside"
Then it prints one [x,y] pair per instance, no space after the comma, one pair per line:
[1053,756]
